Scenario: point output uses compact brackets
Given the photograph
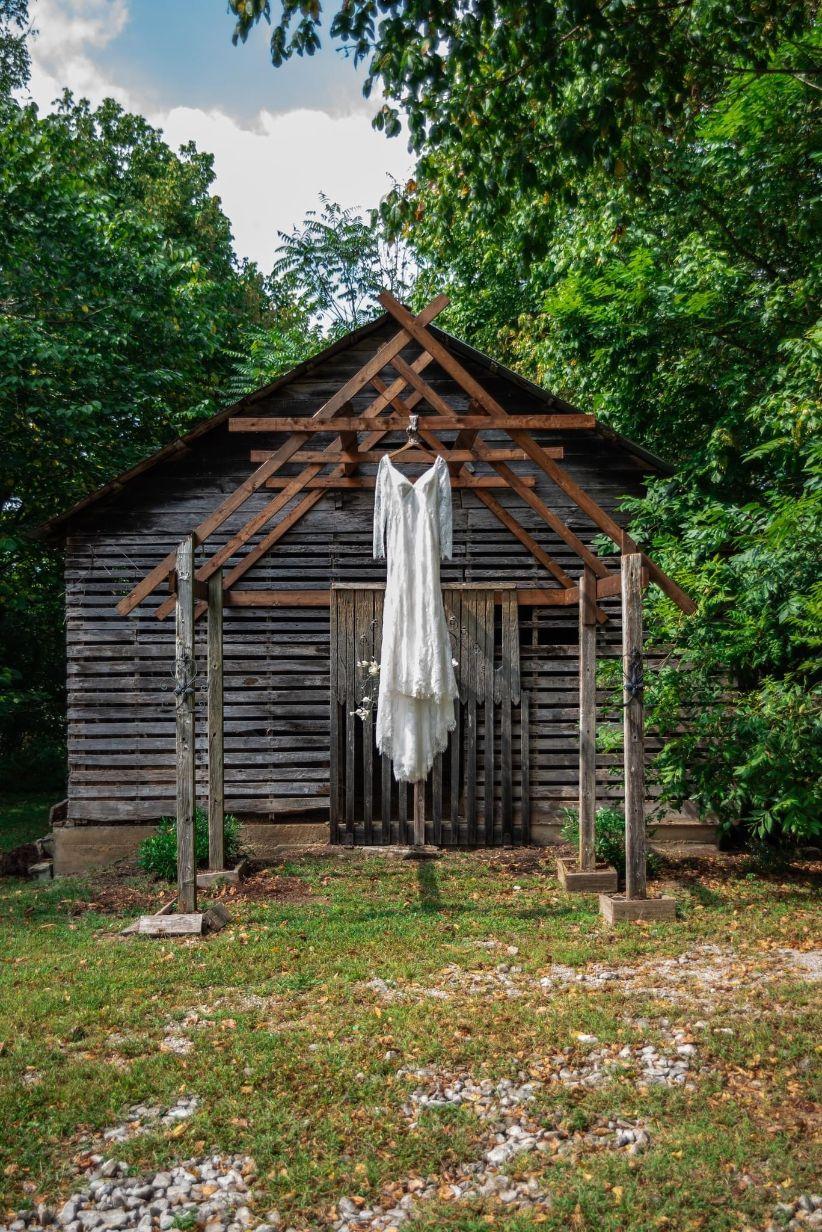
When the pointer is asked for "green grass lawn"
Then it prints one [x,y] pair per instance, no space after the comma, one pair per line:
[297,1055]
[23,817]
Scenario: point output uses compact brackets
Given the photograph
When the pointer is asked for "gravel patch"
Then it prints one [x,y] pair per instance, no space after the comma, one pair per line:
[210,1193]
[513,1130]
[799,1215]
[706,975]
[144,1118]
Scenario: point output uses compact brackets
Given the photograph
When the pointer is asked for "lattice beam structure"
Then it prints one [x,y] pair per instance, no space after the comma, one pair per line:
[355,438]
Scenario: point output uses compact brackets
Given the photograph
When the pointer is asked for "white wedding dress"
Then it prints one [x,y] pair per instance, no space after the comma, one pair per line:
[415,710]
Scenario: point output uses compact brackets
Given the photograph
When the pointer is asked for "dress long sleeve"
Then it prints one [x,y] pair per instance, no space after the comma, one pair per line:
[444,510]
[380,512]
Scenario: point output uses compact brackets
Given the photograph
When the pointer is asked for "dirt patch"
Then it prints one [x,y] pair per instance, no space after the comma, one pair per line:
[117,898]
[113,895]
[731,866]
[265,886]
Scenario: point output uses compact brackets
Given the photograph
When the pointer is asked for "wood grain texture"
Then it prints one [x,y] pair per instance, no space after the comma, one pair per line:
[587,719]
[633,727]
[185,671]
[419,813]
[216,754]
[399,423]
[277,670]
[487,660]
[411,455]
[253,482]
[601,518]
[367,483]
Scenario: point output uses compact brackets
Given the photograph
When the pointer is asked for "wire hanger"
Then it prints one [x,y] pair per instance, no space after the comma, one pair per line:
[413,440]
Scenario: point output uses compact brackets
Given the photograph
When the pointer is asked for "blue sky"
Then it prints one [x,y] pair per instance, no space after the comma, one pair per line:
[183,53]
[279,136]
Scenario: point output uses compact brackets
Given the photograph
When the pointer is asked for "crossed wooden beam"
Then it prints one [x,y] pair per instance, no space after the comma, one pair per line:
[346,452]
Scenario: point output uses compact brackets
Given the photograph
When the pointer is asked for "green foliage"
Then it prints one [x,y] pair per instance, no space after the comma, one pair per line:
[14,55]
[524,97]
[32,669]
[609,838]
[119,296]
[325,279]
[120,293]
[685,314]
[286,337]
[24,817]
[14,51]
[158,853]
[336,262]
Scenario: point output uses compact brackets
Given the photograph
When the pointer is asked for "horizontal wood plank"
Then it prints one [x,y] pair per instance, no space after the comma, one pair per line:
[399,423]
[409,455]
[367,483]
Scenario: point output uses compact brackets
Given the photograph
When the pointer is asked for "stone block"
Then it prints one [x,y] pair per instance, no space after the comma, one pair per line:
[599,880]
[42,871]
[616,908]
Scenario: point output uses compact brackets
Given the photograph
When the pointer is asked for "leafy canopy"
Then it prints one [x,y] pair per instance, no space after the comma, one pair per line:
[525,94]
[622,199]
[335,264]
[119,291]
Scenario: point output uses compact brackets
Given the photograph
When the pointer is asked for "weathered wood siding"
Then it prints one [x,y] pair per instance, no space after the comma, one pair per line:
[120,669]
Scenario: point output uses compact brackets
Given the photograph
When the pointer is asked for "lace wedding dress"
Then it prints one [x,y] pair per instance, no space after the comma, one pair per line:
[415,709]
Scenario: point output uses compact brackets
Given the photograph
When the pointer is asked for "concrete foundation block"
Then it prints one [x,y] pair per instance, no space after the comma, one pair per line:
[616,907]
[224,876]
[599,880]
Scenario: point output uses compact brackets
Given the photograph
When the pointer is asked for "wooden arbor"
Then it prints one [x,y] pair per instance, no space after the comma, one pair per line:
[398,386]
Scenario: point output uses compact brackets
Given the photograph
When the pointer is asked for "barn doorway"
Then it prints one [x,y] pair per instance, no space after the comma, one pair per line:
[478,791]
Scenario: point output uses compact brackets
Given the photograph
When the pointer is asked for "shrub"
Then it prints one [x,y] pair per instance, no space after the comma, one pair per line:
[609,838]
[158,853]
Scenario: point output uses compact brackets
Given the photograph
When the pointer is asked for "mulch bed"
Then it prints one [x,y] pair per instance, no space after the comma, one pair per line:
[115,898]
[733,865]
[112,896]
[263,886]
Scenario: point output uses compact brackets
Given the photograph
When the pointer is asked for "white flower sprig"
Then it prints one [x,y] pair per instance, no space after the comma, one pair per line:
[367,703]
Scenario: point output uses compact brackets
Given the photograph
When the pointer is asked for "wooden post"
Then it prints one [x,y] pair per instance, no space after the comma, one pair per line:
[184,670]
[633,726]
[216,761]
[419,813]
[587,718]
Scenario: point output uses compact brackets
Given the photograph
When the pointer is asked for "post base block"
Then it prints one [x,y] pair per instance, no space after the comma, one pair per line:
[616,907]
[599,880]
[165,923]
[427,852]
[223,876]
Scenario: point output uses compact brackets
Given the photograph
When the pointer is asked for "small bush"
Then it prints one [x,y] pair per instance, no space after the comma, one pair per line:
[609,838]
[158,853]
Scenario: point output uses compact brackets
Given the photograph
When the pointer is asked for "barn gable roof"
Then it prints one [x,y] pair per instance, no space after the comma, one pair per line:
[55,528]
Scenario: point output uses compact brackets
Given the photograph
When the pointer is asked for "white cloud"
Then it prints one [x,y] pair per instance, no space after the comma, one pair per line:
[67,30]
[268,174]
[268,177]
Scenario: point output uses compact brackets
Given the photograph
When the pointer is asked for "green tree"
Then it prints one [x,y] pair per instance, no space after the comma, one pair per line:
[686,316]
[119,296]
[285,337]
[526,95]
[623,200]
[14,54]
[335,264]
[120,292]
[326,275]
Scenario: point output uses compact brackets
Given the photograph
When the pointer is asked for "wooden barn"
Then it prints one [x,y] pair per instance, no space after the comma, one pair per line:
[276,496]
